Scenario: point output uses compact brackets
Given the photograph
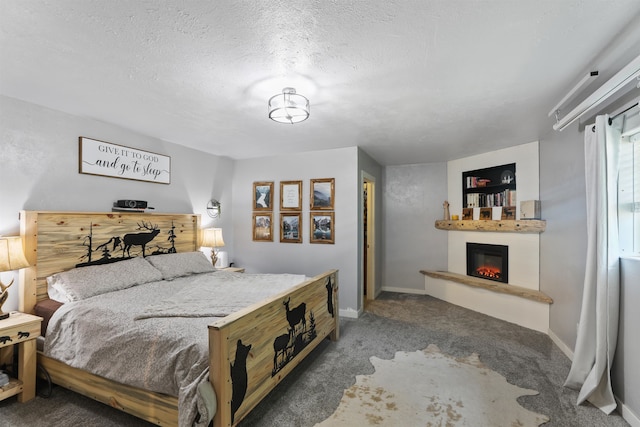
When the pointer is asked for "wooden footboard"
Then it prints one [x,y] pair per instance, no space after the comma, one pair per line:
[159,409]
[252,350]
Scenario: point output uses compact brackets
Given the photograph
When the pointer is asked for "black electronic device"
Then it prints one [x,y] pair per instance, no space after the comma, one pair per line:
[131,204]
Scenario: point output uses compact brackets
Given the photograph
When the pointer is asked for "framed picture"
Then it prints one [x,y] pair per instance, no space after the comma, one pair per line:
[322,227]
[117,161]
[508,212]
[262,227]
[486,214]
[262,196]
[467,214]
[290,226]
[291,195]
[322,194]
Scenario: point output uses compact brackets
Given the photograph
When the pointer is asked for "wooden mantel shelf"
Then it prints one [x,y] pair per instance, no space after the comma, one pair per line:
[490,285]
[512,226]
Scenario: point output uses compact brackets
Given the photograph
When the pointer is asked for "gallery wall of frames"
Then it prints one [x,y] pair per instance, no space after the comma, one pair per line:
[321,220]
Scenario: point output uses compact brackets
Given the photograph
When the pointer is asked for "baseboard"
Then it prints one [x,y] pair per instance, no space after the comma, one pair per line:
[350,313]
[561,345]
[405,290]
[627,414]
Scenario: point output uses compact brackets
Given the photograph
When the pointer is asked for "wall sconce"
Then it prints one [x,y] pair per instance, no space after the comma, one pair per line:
[214,208]
[11,258]
[212,238]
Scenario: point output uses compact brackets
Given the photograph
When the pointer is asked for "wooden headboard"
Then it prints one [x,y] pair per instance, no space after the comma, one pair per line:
[60,241]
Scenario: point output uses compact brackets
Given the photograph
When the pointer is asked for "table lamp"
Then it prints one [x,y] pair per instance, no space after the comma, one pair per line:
[212,238]
[11,258]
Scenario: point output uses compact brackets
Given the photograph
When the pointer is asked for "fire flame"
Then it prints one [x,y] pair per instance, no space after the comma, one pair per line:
[488,271]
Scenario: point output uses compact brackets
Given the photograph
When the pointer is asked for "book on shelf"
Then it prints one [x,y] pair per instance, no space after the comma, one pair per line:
[490,200]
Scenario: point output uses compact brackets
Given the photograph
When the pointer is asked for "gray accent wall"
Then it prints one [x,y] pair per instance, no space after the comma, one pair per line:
[412,202]
[302,258]
[562,260]
[39,171]
[563,246]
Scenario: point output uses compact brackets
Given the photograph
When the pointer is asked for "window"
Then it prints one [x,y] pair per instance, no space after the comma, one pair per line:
[629,185]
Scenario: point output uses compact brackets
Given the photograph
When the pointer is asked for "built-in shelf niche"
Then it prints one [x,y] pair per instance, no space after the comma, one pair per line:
[489,187]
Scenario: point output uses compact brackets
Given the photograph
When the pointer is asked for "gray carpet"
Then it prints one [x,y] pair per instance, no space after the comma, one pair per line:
[394,322]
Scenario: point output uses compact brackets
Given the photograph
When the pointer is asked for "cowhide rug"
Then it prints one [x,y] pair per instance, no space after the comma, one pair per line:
[428,388]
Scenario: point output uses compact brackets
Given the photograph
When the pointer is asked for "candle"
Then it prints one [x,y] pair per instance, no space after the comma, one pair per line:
[454,217]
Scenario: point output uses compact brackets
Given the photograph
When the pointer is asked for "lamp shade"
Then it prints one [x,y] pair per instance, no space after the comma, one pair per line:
[288,107]
[11,254]
[212,238]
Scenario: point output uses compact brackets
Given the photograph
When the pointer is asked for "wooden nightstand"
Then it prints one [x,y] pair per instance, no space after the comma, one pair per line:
[21,329]
[234,269]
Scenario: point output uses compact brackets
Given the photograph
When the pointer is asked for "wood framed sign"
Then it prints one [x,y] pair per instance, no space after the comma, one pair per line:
[291,195]
[117,161]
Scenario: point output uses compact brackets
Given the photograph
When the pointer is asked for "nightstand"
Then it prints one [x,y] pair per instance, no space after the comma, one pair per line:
[234,269]
[21,329]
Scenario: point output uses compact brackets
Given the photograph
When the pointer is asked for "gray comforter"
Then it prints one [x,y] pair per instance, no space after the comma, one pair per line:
[154,336]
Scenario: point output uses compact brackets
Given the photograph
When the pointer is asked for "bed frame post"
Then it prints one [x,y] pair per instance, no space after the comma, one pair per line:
[334,335]
[28,276]
[220,375]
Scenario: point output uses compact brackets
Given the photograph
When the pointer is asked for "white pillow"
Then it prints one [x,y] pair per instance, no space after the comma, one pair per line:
[181,264]
[85,282]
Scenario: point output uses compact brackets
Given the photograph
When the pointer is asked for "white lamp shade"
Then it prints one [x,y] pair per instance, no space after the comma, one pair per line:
[212,238]
[11,254]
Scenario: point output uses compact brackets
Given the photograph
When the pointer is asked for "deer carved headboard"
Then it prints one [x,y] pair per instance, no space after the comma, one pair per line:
[59,241]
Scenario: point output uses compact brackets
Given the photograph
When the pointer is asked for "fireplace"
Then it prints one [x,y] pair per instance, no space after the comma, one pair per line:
[488,261]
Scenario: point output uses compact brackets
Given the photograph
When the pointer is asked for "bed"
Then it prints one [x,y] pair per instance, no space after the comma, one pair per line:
[250,350]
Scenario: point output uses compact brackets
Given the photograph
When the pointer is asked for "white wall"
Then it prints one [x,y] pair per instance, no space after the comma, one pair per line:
[523,248]
[413,197]
[39,171]
[302,258]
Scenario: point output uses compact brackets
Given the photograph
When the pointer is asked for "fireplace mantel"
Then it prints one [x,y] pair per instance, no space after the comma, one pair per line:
[509,226]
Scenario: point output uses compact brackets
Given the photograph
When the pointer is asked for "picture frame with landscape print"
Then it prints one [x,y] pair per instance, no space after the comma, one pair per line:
[262,227]
[322,227]
[322,194]
[263,196]
[291,227]
[290,195]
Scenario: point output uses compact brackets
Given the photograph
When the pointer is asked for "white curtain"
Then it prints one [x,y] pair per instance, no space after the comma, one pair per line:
[598,328]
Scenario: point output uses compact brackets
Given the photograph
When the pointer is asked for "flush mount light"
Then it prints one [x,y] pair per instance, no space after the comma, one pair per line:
[288,107]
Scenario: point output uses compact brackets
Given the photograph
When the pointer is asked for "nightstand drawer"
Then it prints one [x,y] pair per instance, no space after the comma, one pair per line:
[19,327]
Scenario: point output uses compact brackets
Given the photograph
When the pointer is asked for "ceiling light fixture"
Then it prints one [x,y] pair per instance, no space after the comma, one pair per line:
[288,107]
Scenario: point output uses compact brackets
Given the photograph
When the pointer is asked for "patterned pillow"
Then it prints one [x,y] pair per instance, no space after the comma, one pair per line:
[86,282]
[181,264]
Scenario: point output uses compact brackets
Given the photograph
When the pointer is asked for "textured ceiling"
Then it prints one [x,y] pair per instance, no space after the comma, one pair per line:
[408,81]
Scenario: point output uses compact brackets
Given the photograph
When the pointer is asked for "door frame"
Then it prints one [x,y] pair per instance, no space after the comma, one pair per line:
[369,181]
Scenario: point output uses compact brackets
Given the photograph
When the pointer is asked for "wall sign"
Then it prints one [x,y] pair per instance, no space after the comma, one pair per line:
[117,161]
